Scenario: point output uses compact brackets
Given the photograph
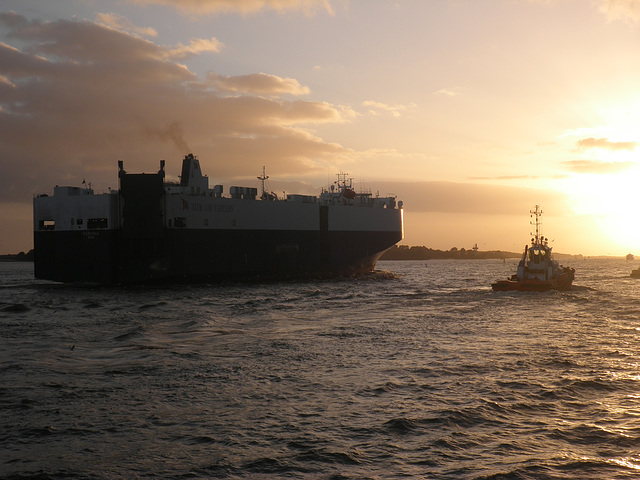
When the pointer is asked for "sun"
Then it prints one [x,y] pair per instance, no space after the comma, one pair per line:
[603,184]
[610,200]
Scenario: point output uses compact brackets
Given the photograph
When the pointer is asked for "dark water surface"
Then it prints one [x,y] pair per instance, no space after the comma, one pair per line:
[421,372]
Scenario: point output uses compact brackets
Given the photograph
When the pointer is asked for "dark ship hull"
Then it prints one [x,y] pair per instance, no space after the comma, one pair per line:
[191,255]
[150,231]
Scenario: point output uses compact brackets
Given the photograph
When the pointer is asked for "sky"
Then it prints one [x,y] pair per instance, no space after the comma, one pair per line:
[469,111]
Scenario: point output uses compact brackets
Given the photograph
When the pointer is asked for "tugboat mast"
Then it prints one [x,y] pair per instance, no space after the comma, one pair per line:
[538,213]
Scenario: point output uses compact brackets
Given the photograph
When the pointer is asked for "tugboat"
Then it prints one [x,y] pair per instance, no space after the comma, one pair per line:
[537,271]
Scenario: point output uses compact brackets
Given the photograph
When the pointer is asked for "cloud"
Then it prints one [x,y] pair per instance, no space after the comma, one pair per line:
[77,96]
[258,84]
[594,166]
[179,52]
[447,92]
[394,110]
[12,19]
[118,22]
[604,144]
[244,7]
[625,10]
[520,177]
[196,46]
[71,43]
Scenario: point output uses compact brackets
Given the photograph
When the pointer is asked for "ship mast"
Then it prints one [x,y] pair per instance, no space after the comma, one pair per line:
[344,182]
[538,213]
[262,179]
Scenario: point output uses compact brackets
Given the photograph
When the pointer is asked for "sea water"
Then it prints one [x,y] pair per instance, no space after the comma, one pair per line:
[417,371]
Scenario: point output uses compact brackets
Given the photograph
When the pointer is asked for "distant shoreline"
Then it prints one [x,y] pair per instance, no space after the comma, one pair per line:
[405,252]
[19,257]
[402,252]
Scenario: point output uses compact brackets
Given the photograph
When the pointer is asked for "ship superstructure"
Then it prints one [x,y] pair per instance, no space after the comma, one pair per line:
[151,230]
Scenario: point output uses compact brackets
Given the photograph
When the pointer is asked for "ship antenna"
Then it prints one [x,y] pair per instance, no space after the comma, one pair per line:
[262,179]
[342,180]
[538,213]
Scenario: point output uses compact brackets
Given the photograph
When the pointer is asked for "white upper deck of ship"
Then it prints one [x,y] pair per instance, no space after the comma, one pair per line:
[192,204]
[194,182]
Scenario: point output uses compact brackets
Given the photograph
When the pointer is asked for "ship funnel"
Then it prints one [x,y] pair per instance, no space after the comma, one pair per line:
[192,175]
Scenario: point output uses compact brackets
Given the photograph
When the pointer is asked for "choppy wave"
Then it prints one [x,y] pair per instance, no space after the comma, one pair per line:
[412,372]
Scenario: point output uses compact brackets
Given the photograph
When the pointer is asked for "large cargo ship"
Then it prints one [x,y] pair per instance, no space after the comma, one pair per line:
[152,230]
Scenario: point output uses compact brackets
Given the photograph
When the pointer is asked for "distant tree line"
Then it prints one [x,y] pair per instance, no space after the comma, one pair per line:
[405,252]
[20,257]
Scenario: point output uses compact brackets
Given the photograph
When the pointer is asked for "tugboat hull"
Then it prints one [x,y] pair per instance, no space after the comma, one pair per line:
[563,282]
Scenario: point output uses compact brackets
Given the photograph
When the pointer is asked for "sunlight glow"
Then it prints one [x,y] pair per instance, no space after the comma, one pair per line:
[605,175]
[611,200]
[631,463]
